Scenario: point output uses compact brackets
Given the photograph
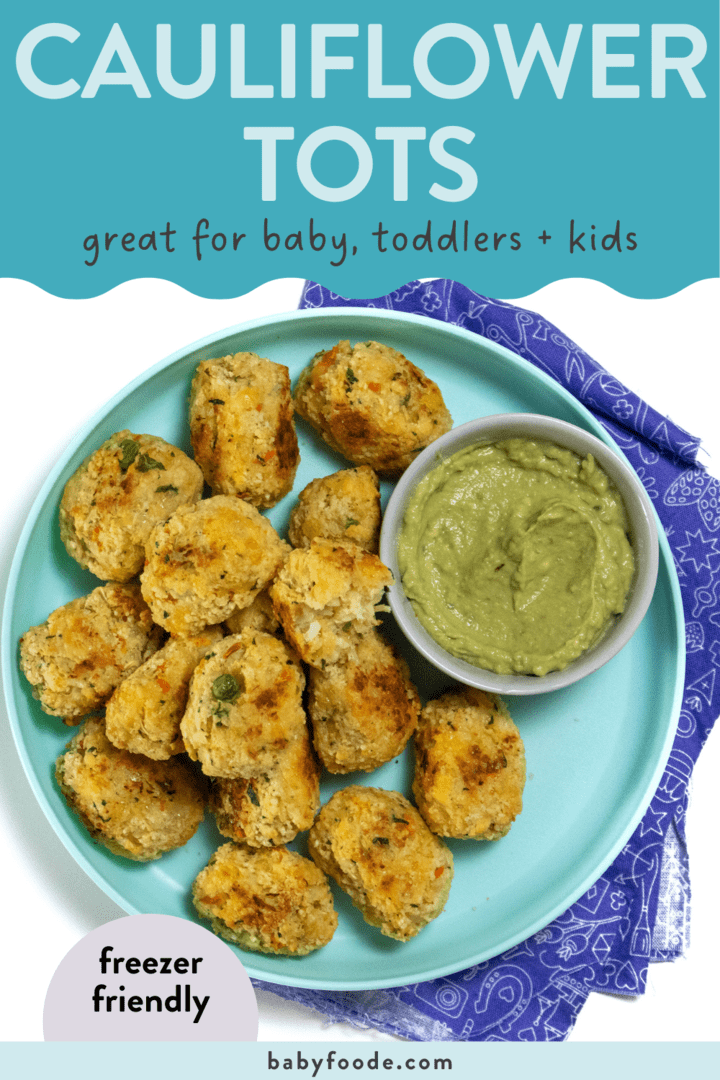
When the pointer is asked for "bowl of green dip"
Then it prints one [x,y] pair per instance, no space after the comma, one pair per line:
[524,552]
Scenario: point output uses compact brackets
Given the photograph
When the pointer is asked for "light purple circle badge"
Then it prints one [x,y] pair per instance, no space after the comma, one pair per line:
[150,978]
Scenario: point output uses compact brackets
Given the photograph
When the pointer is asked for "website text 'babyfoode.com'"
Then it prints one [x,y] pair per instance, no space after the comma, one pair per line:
[357,1062]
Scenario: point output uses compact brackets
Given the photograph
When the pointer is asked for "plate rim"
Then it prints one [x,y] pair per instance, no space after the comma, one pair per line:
[7,647]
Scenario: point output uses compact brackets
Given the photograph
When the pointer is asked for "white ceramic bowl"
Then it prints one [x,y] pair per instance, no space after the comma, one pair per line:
[643,536]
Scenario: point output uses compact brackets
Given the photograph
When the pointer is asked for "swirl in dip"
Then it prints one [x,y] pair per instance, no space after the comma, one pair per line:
[515,555]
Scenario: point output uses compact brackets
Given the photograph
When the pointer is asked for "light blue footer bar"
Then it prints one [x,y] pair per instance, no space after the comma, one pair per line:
[514,1061]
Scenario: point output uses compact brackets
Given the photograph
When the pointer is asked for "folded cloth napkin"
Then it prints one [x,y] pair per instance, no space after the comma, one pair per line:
[638,912]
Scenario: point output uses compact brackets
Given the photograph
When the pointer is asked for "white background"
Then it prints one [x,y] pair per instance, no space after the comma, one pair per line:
[63,359]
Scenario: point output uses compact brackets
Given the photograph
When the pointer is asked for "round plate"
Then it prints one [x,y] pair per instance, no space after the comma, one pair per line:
[595,751]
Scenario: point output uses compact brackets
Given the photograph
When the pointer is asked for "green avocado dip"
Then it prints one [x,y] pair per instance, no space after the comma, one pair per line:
[515,555]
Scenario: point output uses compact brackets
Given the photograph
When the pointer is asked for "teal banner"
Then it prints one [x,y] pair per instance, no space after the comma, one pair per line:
[222,145]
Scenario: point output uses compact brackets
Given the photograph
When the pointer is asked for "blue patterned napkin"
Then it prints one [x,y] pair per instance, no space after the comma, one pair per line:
[639,910]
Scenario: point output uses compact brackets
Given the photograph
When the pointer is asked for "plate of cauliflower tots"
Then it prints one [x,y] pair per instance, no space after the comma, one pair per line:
[198,597]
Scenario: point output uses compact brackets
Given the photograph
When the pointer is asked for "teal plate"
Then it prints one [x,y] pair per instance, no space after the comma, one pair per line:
[595,751]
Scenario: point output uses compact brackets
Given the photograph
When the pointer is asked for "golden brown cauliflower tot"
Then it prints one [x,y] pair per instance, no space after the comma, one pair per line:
[144,713]
[85,648]
[371,405]
[269,900]
[380,851]
[272,807]
[244,706]
[326,596]
[364,710]
[241,424]
[208,561]
[469,766]
[118,495]
[343,506]
[136,807]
